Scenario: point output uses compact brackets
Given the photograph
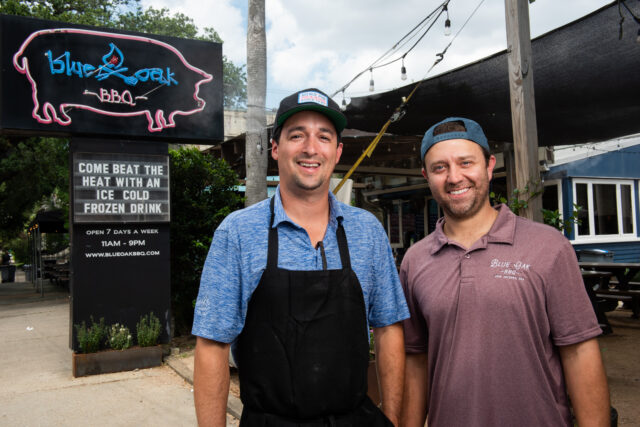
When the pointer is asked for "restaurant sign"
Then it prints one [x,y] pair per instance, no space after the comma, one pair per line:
[71,79]
[120,188]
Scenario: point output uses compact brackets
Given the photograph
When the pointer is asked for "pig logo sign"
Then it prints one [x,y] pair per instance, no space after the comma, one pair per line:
[71,80]
[106,82]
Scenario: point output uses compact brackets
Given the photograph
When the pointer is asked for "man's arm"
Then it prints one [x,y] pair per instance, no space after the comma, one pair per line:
[211,382]
[416,388]
[389,343]
[586,383]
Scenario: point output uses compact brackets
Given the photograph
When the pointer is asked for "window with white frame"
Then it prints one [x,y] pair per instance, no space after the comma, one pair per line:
[552,196]
[607,208]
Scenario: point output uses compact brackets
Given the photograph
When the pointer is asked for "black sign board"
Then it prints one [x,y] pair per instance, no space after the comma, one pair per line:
[120,188]
[119,270]
[58,78]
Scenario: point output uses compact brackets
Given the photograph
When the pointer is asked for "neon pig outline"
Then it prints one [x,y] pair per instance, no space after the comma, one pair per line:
[48,114]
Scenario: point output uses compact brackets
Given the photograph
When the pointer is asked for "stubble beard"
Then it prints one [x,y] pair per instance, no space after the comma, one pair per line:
[468,208]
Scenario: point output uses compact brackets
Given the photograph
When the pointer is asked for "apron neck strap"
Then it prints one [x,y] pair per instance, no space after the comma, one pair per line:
[272,252]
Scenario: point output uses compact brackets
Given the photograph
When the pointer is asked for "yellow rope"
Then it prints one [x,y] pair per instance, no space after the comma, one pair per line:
[375,141]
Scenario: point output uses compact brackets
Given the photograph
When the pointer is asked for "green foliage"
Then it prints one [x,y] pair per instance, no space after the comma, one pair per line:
[91,339]
[148,330]
[519,199]
[20,248]
[33,173]
[372,346]
[119,337]
[202,196]
[554,219]
[85,12]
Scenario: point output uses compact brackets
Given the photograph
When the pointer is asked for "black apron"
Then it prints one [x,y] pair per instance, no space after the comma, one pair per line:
[303,353]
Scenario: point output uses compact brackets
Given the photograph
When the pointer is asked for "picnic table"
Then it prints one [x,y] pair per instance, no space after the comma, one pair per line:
[623,289]
[594,280]
[624,271]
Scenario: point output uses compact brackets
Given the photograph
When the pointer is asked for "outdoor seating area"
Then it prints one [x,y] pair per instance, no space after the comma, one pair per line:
[56,268]
[608,289]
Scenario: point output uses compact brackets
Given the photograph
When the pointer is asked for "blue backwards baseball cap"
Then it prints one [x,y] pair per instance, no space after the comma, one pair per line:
[473,133]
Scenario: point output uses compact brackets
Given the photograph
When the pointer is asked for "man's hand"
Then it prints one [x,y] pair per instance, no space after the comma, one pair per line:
[211,382]
[416,387]
[586,383]
[389,343]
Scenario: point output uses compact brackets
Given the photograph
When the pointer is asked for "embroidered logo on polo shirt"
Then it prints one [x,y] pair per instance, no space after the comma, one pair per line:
[315,97]
[509,270]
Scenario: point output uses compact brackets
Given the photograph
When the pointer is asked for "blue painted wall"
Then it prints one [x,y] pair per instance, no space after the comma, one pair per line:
[624,163]
[621,164]
[622,252]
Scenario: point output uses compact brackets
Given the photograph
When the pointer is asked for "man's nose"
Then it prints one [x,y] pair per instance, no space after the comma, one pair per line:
[311,145]
[455,174]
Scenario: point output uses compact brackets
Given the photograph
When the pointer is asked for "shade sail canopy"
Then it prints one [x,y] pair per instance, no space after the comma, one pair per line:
[586,88]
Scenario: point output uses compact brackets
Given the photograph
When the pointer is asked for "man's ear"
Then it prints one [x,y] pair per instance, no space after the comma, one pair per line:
[424,173]
[490,165]
[339,152]
[274,149]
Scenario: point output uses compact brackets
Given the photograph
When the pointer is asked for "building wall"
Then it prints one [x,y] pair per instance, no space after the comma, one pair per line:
[607,163]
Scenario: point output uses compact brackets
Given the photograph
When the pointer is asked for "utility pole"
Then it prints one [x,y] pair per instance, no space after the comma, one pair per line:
[523,109]
[256,143]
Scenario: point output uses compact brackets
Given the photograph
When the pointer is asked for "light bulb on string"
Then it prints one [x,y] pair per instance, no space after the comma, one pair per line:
[371,86]
[403,71]
[344,103]
[447,22]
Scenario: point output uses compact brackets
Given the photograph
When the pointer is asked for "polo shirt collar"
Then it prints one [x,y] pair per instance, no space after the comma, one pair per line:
[502,231]
[335,211]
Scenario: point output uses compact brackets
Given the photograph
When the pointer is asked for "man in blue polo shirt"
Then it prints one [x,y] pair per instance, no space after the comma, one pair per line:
[293,283]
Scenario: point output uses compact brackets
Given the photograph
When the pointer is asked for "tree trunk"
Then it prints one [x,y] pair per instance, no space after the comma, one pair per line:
[256,145]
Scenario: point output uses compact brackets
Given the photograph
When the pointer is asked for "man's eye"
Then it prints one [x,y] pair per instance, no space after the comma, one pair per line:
[437,168]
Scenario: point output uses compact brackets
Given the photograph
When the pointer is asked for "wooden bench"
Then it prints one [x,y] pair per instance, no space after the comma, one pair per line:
[60,274]
[631,296]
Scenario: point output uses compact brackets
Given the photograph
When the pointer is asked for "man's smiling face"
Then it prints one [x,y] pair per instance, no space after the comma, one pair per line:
[458,176]
[307,152]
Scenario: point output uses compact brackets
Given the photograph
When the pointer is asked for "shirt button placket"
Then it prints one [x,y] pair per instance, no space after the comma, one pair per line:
[466,270]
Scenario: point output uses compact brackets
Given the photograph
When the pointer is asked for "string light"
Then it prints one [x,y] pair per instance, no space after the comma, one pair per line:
[344,103]
[447,22]
[417,32]
[403,71]
[371,85]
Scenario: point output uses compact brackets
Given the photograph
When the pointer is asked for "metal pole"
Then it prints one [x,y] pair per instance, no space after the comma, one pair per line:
[39,255]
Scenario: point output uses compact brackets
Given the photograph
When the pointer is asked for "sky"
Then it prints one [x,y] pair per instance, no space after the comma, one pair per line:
[324,44]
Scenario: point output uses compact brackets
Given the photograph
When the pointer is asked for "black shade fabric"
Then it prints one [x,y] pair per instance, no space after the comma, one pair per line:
[586,88]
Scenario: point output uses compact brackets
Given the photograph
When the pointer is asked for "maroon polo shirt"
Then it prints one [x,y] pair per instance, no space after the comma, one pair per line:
[490,319]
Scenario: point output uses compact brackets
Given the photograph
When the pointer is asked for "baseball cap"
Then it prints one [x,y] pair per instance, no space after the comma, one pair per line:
[473,133]
[309,100]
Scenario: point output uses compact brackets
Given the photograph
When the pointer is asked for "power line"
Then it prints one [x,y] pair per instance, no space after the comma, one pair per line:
[395,46]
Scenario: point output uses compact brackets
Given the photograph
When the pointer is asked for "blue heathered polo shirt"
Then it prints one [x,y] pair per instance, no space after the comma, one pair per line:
[238,256]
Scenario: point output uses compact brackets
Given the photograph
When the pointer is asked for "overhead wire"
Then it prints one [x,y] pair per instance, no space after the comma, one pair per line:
[393,48]
[400,111]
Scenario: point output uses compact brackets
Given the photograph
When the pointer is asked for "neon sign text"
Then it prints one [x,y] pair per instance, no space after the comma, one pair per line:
[111,66]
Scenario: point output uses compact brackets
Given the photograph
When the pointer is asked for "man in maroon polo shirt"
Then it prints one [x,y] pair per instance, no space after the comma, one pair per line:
[501,327]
